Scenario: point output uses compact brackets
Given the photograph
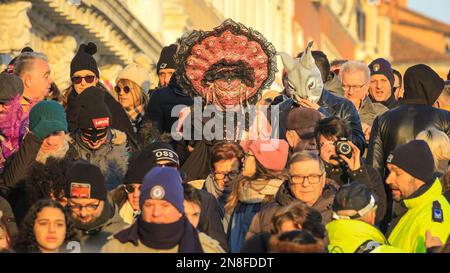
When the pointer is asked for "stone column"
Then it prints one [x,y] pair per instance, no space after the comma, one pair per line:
[14,27]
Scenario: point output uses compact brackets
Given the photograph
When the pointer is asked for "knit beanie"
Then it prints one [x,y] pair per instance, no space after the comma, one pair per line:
[46,118]
[93,111]
[271,153]
[138,166]
[84,59]
[167,58]
[164,151]
[85,180]
[163,184]
[382,67]
[415,158]
[10,86]
[137,72]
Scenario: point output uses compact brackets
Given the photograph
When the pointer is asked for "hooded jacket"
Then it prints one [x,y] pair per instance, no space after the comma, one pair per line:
[161,103]
[402,124]
[262,221]
[111,157]
[109,222]
[351,236]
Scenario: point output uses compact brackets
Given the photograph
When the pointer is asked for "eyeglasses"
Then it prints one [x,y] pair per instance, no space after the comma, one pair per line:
[354,87]
[87,79]
[125,89]
[312,179]
[231,175]
[130,188]
[79,207]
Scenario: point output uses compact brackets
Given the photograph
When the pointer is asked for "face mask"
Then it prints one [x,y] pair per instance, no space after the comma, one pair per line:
[305,80]
[94,135]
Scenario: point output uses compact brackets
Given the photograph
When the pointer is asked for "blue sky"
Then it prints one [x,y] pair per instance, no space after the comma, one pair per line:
[438,9]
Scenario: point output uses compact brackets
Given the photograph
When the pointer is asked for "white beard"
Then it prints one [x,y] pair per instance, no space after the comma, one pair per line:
[42,156]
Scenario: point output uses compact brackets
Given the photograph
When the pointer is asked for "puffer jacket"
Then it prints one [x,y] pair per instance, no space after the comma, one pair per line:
[330,105]
[262,220]
[111,157]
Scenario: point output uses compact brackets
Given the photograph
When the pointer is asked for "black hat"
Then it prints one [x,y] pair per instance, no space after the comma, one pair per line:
[93,111]
[167,58]
[382,67]
[355,199]
[85,180]
[138,166]
[415,158]
[10,86]
[84,59]
[164,151]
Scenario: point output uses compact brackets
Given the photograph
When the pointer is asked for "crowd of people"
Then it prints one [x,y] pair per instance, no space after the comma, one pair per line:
[356,161]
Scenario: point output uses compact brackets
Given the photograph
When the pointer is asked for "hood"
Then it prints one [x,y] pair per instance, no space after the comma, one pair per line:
[304,76]
[422,85]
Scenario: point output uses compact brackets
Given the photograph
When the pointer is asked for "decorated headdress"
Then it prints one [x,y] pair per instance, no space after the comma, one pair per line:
[232,61]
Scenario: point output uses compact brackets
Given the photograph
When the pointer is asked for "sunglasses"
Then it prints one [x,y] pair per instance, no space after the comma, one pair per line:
[88,79]
[130,188]
[126,89]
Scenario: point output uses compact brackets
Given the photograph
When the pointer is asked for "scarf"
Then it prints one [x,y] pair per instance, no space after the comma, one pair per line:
[164,236]
[221,195]
[254,192]
[135,113]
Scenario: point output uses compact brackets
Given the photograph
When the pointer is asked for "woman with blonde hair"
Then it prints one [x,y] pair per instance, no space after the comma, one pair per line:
[439,143]
[132,87]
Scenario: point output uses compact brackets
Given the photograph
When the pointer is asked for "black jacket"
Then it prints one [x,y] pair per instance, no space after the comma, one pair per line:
[210,219]
[366,175]
[162,102]
[330,105]
[399,126]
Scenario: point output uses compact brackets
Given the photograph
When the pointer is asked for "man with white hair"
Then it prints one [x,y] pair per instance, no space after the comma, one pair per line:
[355,78]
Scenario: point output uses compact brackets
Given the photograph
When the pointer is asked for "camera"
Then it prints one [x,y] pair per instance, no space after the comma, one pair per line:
[343,148]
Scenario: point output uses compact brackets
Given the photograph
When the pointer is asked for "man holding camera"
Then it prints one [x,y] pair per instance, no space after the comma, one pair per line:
[343,161]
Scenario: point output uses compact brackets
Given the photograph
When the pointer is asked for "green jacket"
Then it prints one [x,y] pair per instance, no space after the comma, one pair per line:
[428,211]
[351,236]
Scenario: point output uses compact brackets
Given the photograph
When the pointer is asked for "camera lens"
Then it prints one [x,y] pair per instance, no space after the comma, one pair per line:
[343,148]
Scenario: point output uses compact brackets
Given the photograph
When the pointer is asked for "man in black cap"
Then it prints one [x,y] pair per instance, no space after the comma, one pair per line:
[95,215]
[166,65]
[412,182]
[300,124]
[95,140]
[353,228]
[382,83]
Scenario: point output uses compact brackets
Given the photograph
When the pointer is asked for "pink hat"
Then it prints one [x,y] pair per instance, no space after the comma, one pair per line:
[271,153]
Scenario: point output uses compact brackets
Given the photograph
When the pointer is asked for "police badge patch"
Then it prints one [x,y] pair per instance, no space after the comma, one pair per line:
[438,215]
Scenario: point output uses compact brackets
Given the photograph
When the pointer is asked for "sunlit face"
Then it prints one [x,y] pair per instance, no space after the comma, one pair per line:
[50,229]
[402,184]
[328,150]
[38,81]
[127,94]
[225,171]
[4,238]
[380,88]
[133,192]
[85,211]
[165,75]
[289,226]
[355,86]
[310,189]
[53,142]
[83,85]
[302,142]
[192,211]
[159,212]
